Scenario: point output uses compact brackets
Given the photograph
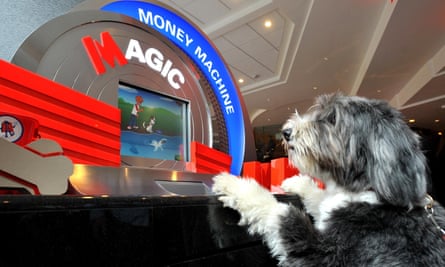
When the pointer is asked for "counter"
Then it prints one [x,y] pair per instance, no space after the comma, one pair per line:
[88,230]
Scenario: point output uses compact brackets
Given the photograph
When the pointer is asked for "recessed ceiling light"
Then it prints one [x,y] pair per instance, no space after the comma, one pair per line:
[379,91]
[315,87]
[326,58]
[439,133]
[240,80]
[267,23]
[411,120]
[436,121]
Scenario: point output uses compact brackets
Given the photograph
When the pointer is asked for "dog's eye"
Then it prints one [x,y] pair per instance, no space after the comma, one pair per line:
[331,118]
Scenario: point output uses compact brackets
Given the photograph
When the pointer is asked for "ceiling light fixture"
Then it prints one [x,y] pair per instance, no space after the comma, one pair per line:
[411,120]
[241,80]
[436,120]
[268,23]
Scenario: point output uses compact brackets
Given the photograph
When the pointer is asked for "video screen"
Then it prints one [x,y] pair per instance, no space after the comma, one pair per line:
[153,125]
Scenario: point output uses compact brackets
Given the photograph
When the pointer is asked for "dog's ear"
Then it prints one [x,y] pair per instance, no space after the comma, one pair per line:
[396,165]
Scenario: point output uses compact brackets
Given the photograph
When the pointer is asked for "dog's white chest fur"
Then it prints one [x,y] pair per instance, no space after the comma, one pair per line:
[320,203]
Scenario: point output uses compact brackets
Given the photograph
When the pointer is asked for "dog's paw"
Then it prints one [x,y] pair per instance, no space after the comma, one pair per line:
[225,184]
[228,186]
[242,194]
[301,185]
[289,185]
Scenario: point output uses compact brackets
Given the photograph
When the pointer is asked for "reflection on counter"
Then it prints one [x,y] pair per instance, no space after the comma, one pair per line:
[135,181]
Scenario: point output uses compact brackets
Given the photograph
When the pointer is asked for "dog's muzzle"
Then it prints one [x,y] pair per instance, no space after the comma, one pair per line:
[286,134]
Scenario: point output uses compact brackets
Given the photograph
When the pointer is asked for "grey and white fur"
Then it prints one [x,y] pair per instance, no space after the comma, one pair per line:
[374,210]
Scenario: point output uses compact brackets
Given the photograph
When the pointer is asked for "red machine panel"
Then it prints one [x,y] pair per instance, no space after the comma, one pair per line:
[207,160]
[87,129]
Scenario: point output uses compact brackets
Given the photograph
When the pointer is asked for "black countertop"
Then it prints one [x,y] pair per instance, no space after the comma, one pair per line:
[76,230]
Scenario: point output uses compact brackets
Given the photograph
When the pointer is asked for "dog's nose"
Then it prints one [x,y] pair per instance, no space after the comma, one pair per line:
[286,133]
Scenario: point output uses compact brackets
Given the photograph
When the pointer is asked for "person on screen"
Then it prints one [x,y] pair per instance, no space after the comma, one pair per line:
[135,113]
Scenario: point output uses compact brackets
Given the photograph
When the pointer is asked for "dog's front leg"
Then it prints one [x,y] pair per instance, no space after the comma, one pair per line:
[283,227]
[307,188]
[258,208]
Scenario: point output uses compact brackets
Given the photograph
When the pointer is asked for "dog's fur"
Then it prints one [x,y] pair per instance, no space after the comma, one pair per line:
[374,210]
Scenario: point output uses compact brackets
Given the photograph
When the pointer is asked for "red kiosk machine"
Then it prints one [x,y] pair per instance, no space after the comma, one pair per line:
[136,85]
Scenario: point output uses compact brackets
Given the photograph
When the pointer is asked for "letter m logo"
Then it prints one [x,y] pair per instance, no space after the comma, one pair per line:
[107,50]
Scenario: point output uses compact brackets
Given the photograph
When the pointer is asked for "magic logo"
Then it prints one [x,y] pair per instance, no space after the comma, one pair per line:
[108,51]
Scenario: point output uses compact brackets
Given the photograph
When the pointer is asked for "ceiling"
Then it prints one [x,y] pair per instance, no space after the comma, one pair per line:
[386,49]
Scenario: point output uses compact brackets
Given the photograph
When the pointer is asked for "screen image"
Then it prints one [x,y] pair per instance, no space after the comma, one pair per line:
[153,125]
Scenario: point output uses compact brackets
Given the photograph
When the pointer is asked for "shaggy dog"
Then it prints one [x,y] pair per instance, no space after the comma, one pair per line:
[374,210]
